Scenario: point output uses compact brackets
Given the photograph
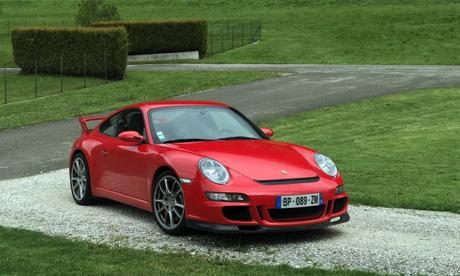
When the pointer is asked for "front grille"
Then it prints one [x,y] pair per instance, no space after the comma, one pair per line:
[289,181]
[240,213]
[339,204]
[304,213]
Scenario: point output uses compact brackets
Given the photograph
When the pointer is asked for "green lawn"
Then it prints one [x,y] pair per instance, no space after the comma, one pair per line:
[31,253]
[294,31]
[395,151]
[138,86]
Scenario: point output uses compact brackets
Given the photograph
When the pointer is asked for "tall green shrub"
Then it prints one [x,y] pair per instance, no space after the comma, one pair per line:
[90,11]
[149,37]
[91,51]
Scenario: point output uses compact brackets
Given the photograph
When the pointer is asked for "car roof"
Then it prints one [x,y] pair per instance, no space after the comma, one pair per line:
[173,103]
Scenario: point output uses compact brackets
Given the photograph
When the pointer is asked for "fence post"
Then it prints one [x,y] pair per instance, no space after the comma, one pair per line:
[250,32]
[36,87]
[105,66]
[8,26]
[84,70]
[222,37]
[232,34]
[61,73]
[260,29]
[210,34]
[242,35]
[228,28]
[4,83]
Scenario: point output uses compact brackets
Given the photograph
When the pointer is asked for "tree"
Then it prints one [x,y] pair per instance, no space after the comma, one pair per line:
[90,11]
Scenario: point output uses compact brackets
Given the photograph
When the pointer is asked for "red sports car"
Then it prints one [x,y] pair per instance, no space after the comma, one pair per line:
[204,165]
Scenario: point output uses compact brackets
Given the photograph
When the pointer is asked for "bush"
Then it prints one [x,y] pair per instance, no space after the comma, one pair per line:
[103,48]
[151,37]
[90,11]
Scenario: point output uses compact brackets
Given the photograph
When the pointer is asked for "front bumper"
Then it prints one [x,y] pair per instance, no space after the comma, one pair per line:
[234,229]
[260,212]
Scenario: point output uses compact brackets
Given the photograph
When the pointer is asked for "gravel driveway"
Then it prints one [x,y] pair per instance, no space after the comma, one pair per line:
[376,239]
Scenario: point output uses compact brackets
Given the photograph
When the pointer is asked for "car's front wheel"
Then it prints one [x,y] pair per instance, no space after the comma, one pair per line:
[169,204]
[80,182]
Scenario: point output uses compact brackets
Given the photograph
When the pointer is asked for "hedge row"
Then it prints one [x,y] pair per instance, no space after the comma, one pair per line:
[149,37]
[98,51]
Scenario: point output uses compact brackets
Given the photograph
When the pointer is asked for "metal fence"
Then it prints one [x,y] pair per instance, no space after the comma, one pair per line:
[228,35]
[16,86]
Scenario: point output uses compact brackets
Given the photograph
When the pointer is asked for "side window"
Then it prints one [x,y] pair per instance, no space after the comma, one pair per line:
[109,127]
[134,122]
[129,120]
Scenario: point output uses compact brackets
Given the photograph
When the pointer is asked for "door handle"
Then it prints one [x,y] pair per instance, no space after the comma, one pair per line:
[104,152]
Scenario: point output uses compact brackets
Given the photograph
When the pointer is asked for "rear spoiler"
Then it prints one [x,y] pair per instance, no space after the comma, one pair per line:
[86,119]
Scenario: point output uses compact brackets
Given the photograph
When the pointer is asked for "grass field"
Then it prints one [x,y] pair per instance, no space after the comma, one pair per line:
[395,151]
[138,86]
[25,252]
[294,31]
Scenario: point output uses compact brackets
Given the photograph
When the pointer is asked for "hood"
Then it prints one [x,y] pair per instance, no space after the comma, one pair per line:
[256,159]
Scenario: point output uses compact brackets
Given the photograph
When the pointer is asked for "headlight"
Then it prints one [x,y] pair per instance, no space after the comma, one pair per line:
[214,171]
[326,164]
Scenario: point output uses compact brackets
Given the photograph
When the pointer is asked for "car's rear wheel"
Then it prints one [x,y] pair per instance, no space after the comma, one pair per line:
[169,204]
[80,182]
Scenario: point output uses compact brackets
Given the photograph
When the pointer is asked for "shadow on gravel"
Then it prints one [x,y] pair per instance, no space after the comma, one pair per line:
[229,241]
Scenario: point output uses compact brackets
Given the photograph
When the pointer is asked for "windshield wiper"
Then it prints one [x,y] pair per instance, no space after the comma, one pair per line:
[238,138]
[186,140]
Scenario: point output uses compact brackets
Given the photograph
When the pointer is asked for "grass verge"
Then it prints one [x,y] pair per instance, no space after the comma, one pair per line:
[138,86]
[394,151]
[294,31]
[26,252]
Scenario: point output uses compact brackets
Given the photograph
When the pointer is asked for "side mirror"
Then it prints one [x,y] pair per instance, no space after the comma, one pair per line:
[131,137]
[267,131]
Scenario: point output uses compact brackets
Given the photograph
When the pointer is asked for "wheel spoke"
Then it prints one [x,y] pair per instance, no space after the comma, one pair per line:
[179,205]
[166,186]
[171,220]
[161,188]
[81,191]
[178,214]
[163,202]
[162,208]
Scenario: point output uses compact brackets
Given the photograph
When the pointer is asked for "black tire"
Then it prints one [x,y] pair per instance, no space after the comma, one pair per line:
[178,226]
[80,176]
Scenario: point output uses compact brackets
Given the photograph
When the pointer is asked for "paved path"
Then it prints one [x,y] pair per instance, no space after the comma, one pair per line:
[383,240]
[44,147]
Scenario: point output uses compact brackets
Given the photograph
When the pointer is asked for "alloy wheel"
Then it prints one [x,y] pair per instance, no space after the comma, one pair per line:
[168,202]
[79,179]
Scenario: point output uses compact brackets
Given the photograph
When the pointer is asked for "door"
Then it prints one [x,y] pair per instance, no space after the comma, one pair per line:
[124,164]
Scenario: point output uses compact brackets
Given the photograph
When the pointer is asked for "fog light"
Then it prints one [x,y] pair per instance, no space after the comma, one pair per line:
[340,189]
[335,219]
[226,197]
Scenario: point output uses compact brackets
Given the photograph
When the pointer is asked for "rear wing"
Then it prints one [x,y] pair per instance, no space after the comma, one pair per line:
[84,122]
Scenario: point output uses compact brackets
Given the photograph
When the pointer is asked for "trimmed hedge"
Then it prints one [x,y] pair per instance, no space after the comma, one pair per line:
[149,37]
[103,48]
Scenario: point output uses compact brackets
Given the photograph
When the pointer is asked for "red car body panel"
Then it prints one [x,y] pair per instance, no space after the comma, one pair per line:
[125,172]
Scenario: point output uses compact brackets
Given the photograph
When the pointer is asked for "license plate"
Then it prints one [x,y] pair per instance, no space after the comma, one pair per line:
[298,201]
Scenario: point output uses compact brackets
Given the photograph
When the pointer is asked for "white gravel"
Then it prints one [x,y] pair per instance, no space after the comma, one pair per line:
[384,240]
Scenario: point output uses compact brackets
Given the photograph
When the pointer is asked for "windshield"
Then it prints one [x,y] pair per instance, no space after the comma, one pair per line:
[200,123]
